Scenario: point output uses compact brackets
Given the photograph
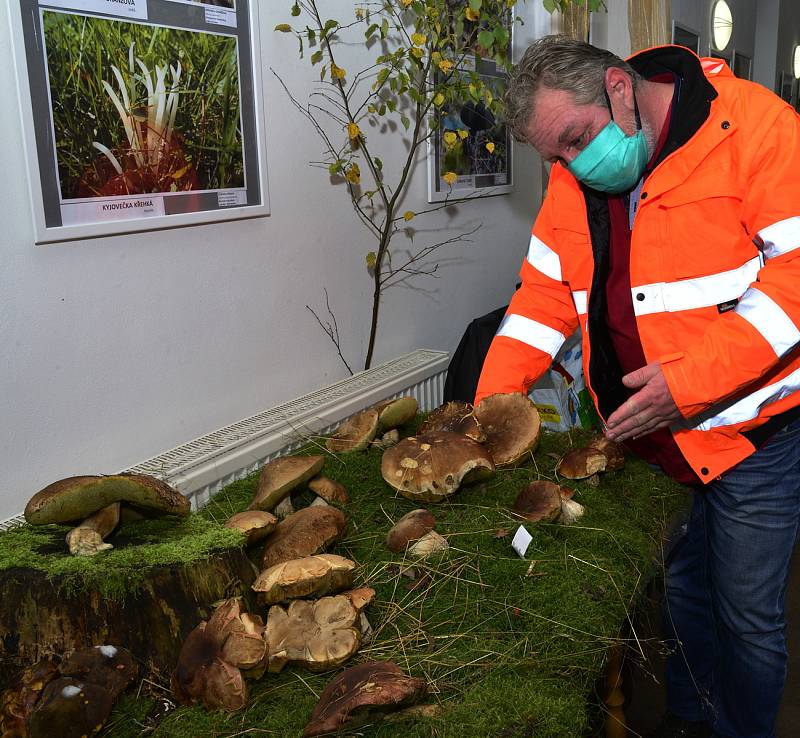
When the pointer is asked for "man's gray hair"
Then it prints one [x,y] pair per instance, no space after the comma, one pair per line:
[558,63]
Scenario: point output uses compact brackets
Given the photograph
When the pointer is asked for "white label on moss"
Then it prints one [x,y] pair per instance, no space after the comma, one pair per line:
[522,539]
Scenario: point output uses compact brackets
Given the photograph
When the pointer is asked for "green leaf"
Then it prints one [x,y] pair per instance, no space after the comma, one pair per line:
[283,28]
[316,57]
[384,28]
[336,167]
[382,109]
[549,5]
[382,75]
[370,32]
[295,10]
[311,34]
[378,164]
[330,25]
[486,39]
[322,72]
[475,5]
[405,121]
[501,35]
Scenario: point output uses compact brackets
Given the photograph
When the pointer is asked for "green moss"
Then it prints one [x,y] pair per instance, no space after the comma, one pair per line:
[509,647]
[121,570]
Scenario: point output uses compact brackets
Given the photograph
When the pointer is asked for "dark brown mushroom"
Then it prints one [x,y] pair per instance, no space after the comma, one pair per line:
[432,467]
[76,498]
[362,694]
[411,527]
[70,708]
[512,426]
[458,417]
[307,532]
[329,490]
[613,451]
[580,463]
[17,703]
[88,538]
[280,476]
[318,635]
[396,412]
[310,576]
[546,501]
[108,666]
[355,434]
[255,524]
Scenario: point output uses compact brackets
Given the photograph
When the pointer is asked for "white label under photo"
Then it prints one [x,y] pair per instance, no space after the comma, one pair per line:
[221,17]
[231,198]
[124,8]
[522,539]
[101,211]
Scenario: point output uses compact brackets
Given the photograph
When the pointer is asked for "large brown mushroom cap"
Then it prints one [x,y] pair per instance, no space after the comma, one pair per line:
[312,575]
[458,417]
[17,703]
[512,426]
[355,434]
[411,527]
[580,463]
[329,490]
[109,666]
[319,635]
[76,498]
[360,694]
[304,533]
[280,476]
[431,467]
[395,412]
[255,524]
[70,708]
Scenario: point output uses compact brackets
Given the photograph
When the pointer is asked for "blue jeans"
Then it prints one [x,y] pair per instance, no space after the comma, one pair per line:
[725,586]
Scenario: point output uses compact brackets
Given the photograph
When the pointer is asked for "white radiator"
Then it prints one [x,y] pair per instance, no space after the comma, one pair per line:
[200,468]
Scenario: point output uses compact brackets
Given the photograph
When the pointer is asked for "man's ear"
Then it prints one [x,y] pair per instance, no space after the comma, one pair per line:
[619,87]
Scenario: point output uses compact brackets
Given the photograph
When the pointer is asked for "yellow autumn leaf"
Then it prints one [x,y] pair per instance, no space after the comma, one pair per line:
[472,15]
[418,39]
[406,3]
[449,138]
[337,72]
[490,147]
[408,215]
[417,52]
[371,260]
[462,134]
[181,172]
[353,174]
[438,100]
[445,65]
[360,13]
[353,131]
[450,177]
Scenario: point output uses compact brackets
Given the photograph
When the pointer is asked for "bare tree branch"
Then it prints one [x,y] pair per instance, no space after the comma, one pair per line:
[331,328]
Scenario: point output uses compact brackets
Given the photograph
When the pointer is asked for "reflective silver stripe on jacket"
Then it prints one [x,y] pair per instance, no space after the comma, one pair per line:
[770,320]
[542,257]
[781,237]
[581,300]
[688,294]
[531,332]
[748,407]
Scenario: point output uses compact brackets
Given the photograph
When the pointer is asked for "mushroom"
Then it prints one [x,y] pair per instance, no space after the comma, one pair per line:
[355,434]
[387,440]
[319,635]
[396,412]
[360,597]
[76,498]
[89,537]
[455,416]
[280,476]
[430,543]
[546,501]
[111,667]
[431,467]
[255,524]
[329,490]
[362,694]
[70,708]
[411,527]
[312,575]
[284,508]
[512,426]
[613,451]
[208,669]
[16,704]
[307,532]
[580,463]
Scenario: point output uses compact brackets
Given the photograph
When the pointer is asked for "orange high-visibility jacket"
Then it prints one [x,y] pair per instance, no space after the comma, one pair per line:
[718,222]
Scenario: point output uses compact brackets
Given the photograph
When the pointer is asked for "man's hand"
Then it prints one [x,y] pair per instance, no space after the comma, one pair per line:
[649,409]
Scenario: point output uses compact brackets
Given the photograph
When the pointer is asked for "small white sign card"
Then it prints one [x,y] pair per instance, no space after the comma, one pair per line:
[522,539]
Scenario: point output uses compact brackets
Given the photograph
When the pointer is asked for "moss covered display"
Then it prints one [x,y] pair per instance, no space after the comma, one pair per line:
[145,594]
[510,648]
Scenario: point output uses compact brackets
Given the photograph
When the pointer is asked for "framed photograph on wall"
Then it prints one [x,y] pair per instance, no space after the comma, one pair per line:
[786,89]
[742,65]
[684,36]
[139,115]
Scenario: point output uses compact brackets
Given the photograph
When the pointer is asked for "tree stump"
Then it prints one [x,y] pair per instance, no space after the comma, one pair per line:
[52,603]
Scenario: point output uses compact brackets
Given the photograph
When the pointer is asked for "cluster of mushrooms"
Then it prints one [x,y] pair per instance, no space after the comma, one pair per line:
[69,699]
[311,614]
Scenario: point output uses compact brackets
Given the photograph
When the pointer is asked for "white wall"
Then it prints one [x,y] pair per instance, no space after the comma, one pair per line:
[116,349]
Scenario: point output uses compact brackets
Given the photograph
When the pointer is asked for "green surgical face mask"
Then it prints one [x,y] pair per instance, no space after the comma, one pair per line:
[612,162]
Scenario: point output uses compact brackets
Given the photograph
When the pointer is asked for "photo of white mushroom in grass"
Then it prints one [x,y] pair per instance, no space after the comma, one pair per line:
[139,108]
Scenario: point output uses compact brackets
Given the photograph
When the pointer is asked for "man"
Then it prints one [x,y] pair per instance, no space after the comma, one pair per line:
[670,235]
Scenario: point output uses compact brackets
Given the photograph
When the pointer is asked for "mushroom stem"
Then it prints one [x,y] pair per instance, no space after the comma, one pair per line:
[88,538]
